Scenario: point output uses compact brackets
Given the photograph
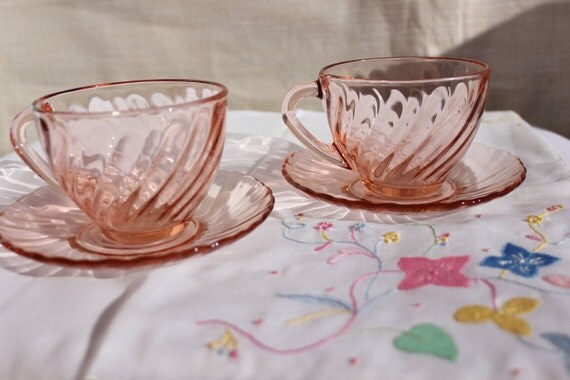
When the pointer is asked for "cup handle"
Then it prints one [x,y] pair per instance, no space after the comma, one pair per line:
[326,151]
[24,149]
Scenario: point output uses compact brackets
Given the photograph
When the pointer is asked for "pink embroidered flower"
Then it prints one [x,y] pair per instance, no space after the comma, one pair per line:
[446,271]
[323,226]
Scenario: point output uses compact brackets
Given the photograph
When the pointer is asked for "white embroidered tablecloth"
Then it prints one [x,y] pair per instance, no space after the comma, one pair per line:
[317,291]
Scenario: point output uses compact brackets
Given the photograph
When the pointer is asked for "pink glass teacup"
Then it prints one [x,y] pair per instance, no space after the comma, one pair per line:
[402,124]
[136,157]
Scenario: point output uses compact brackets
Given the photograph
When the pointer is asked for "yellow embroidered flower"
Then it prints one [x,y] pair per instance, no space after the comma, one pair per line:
[505,317]
[391,237]
[227,344]
[443,239]
[535,219]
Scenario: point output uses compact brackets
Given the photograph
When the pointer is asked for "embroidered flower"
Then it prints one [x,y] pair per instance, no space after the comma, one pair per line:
[519,261]
[446,271]
[227,344]
[443,239]
[535,219]
[391,237]
[358,227]
[505,317]
[323,226]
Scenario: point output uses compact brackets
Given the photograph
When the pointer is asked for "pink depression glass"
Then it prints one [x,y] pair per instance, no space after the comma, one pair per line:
[402,124]
[136,157]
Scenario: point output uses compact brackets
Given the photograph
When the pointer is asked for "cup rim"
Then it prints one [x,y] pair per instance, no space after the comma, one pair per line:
[484,71]
[36,104]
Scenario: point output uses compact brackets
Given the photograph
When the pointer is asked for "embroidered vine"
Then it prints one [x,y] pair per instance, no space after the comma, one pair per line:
[425,338]
[435,266]
[535,222]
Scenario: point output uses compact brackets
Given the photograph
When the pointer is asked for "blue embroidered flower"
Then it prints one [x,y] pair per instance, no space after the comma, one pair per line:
[358,227]
[519,261]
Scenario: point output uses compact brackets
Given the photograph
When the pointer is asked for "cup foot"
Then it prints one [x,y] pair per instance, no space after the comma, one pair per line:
[417,195]
[145,237]
[92,239]
[398,192]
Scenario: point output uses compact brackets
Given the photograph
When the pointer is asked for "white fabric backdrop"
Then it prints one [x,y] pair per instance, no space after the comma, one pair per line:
[259,49]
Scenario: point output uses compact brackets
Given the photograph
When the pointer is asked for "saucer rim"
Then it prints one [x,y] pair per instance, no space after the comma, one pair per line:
[441,205]
[159,257]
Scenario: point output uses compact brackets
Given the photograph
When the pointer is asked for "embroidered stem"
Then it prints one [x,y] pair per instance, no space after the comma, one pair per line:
[434,235]
[369,287]
[542,236]
[321,248]
[284,351]
[375,299]
[333,302]
[534,220]
[348,252]
[287,237]
[377,275]
[325,235]
[493,293]
[513,282]
[295,225]
[316,315]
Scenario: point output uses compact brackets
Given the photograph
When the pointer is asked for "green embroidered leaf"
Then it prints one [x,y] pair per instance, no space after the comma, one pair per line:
[428,339]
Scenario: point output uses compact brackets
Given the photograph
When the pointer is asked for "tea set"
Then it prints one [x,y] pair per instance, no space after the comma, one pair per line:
[134,174]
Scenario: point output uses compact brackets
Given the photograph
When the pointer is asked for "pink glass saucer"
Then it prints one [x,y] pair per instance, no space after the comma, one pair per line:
[44,224]
[485,173]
